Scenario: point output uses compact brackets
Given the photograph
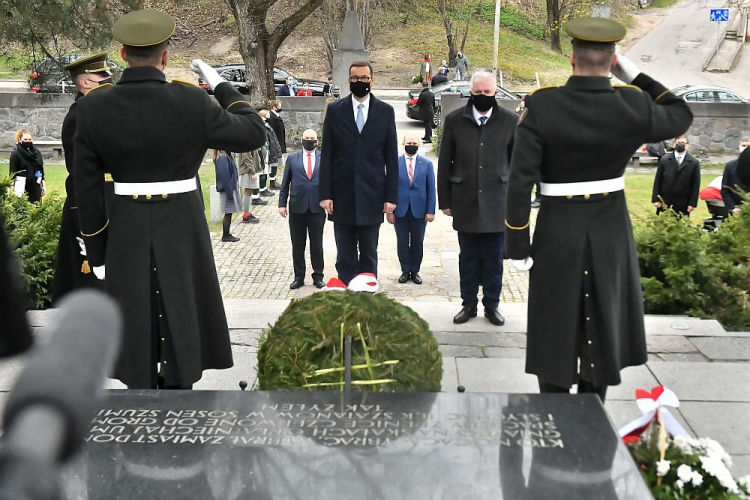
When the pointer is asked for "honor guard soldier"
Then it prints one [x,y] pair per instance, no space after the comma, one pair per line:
[72,269]
[152,135]
[585,299]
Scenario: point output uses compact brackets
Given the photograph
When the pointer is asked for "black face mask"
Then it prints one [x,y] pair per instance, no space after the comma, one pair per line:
[360,89]
[411,149]
[680,148]
[309,144]
[482,102]
[27,145]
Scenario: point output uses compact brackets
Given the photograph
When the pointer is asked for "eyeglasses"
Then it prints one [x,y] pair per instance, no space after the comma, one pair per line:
[363,79]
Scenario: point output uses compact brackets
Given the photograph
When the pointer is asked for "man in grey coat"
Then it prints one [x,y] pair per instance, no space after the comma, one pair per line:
[462,66]
[472,183]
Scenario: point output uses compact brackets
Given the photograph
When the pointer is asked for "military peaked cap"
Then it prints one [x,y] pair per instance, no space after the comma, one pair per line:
[595,30]
[144,28]
[91,64]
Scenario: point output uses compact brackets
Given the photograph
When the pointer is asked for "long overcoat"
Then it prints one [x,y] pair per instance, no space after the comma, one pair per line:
[585,298]
[473,169]
[161,133]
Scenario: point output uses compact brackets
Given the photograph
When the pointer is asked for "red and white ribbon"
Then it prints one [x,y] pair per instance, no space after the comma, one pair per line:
[649,404]
[363,282]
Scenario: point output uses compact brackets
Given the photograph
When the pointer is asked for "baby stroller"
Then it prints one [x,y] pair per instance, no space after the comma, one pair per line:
[711,194]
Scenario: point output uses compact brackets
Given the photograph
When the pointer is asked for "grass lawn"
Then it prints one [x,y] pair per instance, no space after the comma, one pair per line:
[638,190]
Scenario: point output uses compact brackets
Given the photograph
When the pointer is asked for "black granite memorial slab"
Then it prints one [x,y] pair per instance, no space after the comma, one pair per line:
[208,445]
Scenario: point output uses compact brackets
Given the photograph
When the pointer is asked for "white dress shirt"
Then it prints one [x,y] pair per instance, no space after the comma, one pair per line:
[365,109]
[679,157]
[304,160]
[478,115]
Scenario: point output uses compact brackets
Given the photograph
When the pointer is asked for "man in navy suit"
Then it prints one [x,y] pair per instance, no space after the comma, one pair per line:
[306,217]
[414,209]
[358,172]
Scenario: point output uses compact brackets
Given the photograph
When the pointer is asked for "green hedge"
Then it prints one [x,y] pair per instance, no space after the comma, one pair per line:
[34,230]
[686,270]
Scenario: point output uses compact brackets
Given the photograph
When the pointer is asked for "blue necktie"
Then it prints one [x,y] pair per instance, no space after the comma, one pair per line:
[482,120]
[360,118]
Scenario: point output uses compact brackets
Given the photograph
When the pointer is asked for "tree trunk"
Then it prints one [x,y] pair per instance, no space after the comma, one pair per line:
[448,23]
[256,52]
[553,20]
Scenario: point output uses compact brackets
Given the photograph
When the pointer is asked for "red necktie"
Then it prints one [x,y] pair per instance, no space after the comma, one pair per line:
[309,165]
[411,171]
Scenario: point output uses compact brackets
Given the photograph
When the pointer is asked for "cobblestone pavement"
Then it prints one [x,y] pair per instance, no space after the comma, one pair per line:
[259,266]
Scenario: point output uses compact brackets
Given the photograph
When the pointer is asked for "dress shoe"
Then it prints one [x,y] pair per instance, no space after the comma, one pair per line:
[416,278]
[296,284]
[258,201]
[493,314]
[403,278]
[318,284]
[229,238]
[250,219]
[267,193]
[466,313]
[428,141]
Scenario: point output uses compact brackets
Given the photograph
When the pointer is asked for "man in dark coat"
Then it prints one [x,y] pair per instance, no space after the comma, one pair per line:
[277,124]
[736,180]
[678,180]
[472,183]
[426,106]
[585,299]
[72,270]
[306,217]
[358,172]
[156,245]
[15,334]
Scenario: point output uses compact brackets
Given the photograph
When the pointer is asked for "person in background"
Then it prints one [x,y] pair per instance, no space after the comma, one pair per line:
[305,91]
[289,88]
[426,105]
[736,179]
[439,78]
[445,67]
[228,186]
[462,66]
[334,97]
[452,88]
[414,209]
[271,155]
[249,166]
[277,124]
[328,87]
[27,167]
[473,169]
[306,217]
[425,69]
[678,180]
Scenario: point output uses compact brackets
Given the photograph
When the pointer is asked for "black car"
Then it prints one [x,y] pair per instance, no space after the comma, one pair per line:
[49,75]
[235,73]
[462,87]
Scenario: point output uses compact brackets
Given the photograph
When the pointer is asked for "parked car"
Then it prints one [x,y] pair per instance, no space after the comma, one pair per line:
[462,87]
[235,74]
[49,75]
[708,93]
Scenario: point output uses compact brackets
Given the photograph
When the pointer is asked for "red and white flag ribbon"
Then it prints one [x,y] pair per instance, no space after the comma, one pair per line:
[363,282]
[649,404]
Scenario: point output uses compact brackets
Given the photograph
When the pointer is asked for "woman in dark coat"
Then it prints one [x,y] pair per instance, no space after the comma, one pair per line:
[26,161]
[227,184]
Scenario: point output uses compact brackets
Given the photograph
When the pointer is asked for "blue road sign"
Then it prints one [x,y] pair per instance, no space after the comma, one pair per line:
[719,15]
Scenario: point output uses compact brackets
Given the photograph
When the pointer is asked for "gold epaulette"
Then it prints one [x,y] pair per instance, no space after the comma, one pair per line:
[623,86]
[184,82]
[102,86]
[543,88]
[519,228]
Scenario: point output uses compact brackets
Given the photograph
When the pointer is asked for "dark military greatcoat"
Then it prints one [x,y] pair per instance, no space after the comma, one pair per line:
[145,130]
[585,296]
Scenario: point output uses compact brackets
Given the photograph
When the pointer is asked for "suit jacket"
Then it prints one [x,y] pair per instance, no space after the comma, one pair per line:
[359,171]
[304,192]
[277,124]
[473,168]
[426,104]
[420,196]
[284,90]
[677,185]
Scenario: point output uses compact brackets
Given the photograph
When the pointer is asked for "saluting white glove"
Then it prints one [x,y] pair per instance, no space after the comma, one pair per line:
[207,72]
[82,245]
[99,272]
[523,265]
[625,69]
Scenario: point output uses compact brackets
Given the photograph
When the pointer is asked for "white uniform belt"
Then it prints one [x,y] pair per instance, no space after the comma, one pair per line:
[583,188]
[155,188]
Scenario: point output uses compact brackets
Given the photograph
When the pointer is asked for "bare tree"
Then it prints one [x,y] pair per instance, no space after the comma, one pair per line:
[260,42]
[559,11]
[451,11]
